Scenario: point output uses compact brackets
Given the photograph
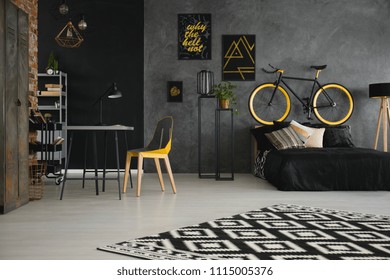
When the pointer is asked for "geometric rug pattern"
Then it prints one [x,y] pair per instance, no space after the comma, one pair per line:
[279,232]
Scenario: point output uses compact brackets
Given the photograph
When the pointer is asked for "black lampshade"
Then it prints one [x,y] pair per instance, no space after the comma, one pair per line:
[379,90]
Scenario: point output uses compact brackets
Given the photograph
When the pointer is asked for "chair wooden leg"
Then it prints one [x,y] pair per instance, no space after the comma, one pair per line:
[139,175]
[169,170]
[127,168]
[160,177]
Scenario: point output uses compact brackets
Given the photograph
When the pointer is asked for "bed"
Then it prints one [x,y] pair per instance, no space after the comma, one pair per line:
[336,166]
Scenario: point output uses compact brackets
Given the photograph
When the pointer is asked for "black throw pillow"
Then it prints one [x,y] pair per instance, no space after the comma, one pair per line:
[338,136]
[280,125]
[263,144]
[335,136]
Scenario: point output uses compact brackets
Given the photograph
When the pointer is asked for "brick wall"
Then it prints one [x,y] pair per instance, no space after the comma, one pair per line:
[31,8]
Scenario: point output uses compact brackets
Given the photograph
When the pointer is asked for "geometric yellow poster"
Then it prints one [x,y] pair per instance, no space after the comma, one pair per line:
[239,57]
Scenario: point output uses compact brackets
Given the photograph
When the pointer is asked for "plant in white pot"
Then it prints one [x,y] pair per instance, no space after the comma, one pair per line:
[52,64]
[225,94]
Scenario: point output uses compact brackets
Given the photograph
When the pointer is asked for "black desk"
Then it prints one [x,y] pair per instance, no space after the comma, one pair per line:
[93,130]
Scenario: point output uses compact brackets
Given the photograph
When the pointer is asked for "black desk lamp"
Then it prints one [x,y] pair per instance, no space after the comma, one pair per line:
[111,92]
[381,91]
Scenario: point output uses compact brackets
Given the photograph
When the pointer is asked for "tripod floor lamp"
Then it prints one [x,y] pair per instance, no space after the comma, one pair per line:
[381,91]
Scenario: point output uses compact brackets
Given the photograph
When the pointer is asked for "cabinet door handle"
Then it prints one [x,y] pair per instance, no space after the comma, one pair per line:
[18,103]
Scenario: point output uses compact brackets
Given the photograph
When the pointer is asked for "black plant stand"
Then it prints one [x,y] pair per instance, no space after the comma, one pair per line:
[200,99]
[218,113]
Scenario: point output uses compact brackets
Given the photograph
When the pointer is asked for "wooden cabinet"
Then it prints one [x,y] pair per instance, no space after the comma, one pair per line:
[13,107]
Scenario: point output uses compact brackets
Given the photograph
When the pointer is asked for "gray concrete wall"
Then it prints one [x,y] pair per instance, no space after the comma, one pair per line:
[351,36]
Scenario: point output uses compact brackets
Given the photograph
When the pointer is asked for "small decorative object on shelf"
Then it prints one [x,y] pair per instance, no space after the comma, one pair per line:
[205,82]
[52,65]
[224,92]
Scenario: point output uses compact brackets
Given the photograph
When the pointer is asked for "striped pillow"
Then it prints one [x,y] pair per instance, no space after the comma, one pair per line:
[285,138]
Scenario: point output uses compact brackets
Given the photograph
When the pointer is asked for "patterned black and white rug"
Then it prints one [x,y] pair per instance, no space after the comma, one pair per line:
[286,232]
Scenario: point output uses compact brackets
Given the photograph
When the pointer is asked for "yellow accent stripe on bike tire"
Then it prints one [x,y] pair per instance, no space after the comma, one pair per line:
[252,111]
[346,117]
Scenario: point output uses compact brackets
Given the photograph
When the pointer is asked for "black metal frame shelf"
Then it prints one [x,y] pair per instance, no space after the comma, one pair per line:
[48,150]
[200,174]
[217,174]
[218,112]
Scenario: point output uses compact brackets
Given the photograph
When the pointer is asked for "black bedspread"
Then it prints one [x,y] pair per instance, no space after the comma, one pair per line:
[324,169]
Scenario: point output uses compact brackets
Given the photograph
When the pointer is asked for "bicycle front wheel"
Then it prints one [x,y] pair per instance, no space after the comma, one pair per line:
[266,108]
[333,104]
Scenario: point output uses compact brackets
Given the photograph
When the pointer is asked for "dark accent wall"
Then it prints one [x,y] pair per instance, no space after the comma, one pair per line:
[351,36]
[112,51]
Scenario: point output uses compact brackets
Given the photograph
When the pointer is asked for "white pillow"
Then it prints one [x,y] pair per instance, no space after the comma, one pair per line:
[304,132]
[316,138]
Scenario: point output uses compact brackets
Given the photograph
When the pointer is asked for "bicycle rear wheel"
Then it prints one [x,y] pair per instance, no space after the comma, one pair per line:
[263,110]
[333,104]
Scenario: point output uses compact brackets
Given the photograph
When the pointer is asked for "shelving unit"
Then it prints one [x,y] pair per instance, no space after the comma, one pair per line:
[218,141]
[50,153]
[201,99]
[54,109]
[229,140]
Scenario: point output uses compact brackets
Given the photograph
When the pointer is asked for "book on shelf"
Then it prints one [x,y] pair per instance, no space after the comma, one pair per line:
[50,92]
[53,86]
[58,141]
[54,89]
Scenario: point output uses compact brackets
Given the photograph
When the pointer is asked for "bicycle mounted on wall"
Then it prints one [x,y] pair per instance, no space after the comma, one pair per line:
[331,103]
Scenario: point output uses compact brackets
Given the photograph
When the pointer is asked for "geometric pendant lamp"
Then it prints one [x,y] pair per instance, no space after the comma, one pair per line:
[69,37]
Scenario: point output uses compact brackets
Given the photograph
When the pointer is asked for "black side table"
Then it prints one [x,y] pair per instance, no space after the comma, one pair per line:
[218,113]
[200,99]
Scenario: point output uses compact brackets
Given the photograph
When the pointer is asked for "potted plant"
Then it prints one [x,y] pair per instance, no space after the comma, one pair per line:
[52,65]
[225,94]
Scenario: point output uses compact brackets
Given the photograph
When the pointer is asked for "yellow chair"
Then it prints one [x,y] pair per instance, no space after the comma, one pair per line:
[158,148]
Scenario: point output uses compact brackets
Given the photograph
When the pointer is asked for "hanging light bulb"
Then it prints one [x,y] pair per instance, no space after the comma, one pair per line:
[82,23]
[69,33]
[63,8]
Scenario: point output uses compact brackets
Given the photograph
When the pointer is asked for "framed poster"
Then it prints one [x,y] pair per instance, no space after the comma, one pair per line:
[194,36]
[175,91]
[239,57]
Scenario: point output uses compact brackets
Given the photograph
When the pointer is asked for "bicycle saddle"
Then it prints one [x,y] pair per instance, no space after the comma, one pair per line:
[320,67]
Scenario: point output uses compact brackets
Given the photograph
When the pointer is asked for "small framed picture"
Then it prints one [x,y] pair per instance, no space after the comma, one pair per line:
[175,91]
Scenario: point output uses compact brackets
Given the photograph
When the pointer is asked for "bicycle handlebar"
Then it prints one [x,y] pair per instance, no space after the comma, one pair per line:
[269,72]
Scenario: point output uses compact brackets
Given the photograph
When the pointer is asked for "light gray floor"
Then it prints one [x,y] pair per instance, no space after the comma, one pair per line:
[74,227]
